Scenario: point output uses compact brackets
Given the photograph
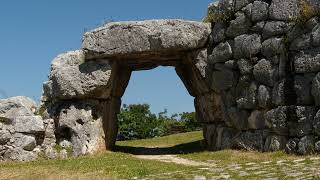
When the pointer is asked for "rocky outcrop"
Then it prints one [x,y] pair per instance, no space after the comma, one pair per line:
[21,131]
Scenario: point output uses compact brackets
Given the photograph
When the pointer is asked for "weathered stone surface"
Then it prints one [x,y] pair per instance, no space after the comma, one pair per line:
[5,136]
[315,36]
[229,97]
[239,4]
[79,124]
[209,108]
[247,10]
[223,80]
[258,27]
[202,62]
[272,47]
[315,90]
[292,146]
[226,7]
[275,143]
[259,11]
[256,120]
[221,53]
[18,154]
[225,137]
[250,141]
[264,96]
[145,37]
[49,133]
[26,142]
[51,153]
[295,32]
[274,28]
[218,32]
[306,145]
[210,134]
[276,119]
[65,144]
[72,77]
[301,121]
[28,124]
[280,93]
[231,64]
[20,129]
[283,64]
[316,124]
[284,9]
[307,61]
[245,66]
[301,43]
[311,23]
[237,118]
[247,46]
[238,26]
[17,106]
[317,146]
[302,86]
[247,99]
[265,73]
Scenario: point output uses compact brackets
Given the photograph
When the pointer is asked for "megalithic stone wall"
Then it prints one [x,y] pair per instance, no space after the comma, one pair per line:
[253,70]
[264,59]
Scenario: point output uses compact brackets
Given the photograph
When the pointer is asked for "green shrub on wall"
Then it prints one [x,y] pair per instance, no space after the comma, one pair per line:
[307,11]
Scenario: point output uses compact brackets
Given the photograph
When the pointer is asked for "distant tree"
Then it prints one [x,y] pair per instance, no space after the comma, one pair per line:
[137,122]
[189,121]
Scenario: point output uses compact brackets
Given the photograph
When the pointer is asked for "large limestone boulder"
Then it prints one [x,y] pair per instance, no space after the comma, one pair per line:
[72,77]
[20,129]
[142,38]
[79,124]
[17,106]
[284,9]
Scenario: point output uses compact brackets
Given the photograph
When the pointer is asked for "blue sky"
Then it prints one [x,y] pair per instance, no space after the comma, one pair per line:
[33,32]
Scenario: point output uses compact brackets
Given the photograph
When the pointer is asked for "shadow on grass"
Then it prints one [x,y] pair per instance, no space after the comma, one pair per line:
[186,148]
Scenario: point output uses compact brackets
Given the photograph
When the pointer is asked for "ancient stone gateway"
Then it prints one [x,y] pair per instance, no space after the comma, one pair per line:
[88,84]
[253,70]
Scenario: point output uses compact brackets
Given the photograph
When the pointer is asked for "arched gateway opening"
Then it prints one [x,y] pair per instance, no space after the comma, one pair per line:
[85,87]
[186,68]
[136,46]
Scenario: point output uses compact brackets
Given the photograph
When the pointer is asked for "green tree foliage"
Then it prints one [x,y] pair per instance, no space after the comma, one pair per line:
[189,121]
[137,122]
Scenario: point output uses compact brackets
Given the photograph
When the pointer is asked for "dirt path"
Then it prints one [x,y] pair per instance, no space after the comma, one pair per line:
[174,159]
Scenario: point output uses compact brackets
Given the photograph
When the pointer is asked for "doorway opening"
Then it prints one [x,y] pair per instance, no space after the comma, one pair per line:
[157,115]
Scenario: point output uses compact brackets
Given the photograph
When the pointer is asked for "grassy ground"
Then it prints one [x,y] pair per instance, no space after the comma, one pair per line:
[123,164]
[166,141]
[109,165]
